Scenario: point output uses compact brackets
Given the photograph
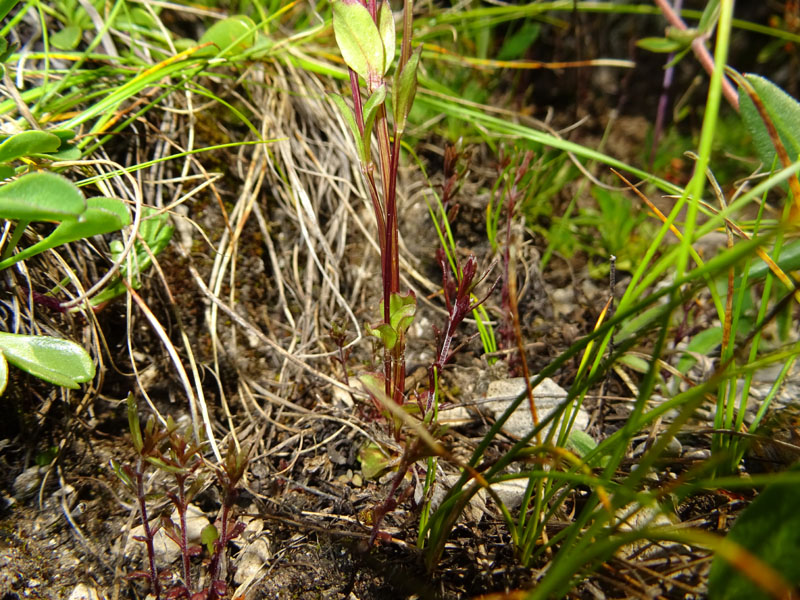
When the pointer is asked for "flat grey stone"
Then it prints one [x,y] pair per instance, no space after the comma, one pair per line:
[546,396]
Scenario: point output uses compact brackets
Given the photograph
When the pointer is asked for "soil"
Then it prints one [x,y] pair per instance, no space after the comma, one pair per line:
[265,261]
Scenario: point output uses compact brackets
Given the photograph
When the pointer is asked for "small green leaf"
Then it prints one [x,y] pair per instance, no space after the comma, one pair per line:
[123,476]
[156,232]
[373,461]
[28,143]
[209,536]
[102,215]
[46,457]
[229,36]
[164,466]
[684,37]
[350,119]
[359,40]
[383,332]
[68,38]
[770,529]
[370,111]
[3,373]
[580,442]
[54,360]
[701,344]
[402,309]
[41,197]
[133,424]
[783,111]
[404,90]
[387,33]
[659,44]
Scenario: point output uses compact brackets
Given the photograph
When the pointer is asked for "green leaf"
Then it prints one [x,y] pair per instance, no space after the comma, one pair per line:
[156,233]
[41,197]
[770,529]
[702,343]
[68,38]
[370,110]
[102,215]
[402,309]
[359,40]
[3,373]
[373,461]
[383,332]
[387,33]
[45,457]
[54,360]
[229,36]
[710,16]
[580,442]
[28,143]
[133,424]
[659,44]
[209,536]
[350,119]
[515,46]
[6,6]
[783,111]
[404,90]
[6,172]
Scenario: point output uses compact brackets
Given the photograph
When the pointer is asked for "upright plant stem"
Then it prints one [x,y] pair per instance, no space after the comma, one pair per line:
[148,533]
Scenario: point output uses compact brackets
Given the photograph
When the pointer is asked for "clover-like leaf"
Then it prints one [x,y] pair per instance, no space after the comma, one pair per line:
[54,360]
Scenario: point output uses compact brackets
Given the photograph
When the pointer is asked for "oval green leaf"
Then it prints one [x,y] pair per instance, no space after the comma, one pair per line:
[102,215]
[68,38]
[229,36]
[54,360]
[358,39]
[783,111]
[41,197]
[28,143]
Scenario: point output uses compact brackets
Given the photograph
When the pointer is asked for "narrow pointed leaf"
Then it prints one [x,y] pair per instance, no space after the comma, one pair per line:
[103,215]
[133,424]
[371,106]
[387,32]
[350,119]
[404,90]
